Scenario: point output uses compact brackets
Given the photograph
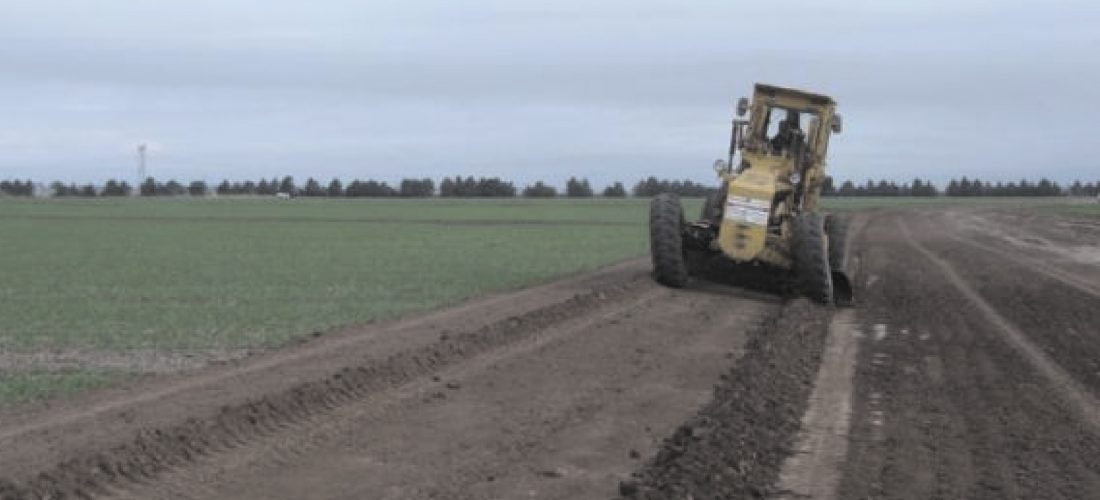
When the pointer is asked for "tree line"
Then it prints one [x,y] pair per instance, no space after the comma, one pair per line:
[459,186]
[916,187]
[17,188]
[652,186]
[960,187]
[1044,187]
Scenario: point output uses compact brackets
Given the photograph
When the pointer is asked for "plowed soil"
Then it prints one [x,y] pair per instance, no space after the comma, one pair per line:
[976,375]
[979,365]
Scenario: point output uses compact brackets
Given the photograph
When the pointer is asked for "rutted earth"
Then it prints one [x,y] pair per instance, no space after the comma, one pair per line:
[985,378]
[970,368]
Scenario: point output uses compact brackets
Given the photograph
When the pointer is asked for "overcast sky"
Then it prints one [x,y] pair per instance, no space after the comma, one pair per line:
[611,90]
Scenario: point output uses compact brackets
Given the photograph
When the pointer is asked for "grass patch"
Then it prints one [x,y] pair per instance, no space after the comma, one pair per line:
[1089,208]
[260,209]
[23,387]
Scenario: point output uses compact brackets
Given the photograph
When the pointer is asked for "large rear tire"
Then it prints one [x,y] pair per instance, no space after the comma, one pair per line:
[811,257]
[666,244]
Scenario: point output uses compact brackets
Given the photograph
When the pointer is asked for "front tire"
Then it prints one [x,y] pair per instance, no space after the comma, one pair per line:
[666,243]
[811,257]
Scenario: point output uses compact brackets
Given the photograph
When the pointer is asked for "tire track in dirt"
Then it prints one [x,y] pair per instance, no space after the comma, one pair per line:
[1037,266]
[1080,398]
[947,406]
[1058,318]
[1024,261]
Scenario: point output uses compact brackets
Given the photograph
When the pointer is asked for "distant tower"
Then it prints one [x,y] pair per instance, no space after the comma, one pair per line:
[141,162]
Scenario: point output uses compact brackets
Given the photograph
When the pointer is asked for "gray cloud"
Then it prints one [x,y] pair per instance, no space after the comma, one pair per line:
[611,90]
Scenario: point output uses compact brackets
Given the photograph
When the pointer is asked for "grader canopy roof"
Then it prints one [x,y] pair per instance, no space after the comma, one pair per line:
[793,95]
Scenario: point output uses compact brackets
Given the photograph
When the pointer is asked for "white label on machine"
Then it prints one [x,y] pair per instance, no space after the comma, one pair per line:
[748,210]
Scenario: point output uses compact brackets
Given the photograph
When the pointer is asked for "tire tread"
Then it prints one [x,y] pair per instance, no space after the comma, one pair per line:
[666,222]
[811,257]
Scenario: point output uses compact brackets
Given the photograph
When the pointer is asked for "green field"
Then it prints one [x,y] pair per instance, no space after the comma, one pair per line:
[1089,208]
[24,386]
[201,274]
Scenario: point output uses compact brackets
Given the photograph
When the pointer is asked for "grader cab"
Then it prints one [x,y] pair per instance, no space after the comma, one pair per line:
[766,212]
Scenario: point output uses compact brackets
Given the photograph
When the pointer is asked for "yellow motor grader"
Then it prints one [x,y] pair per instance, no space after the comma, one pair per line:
[766,212]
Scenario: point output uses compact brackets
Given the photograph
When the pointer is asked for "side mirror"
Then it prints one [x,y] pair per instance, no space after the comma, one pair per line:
[742,106]
[838,124]
[720,166]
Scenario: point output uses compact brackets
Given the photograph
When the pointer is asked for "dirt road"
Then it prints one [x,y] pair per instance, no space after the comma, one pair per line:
[979,370]
[970,368]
